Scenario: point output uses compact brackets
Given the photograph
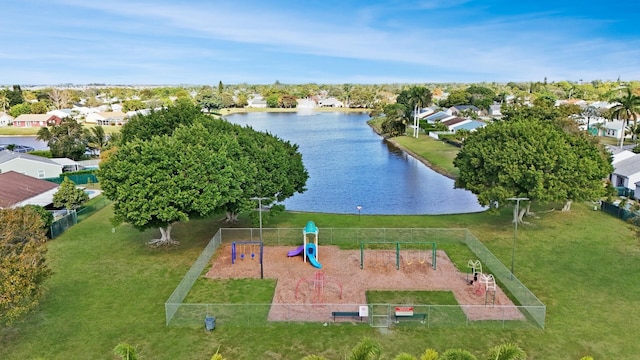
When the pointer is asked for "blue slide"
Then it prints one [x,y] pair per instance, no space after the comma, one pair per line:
[311,255]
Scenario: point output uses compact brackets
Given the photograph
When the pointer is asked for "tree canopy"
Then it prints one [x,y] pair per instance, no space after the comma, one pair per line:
[533,159]
[204,166]
[68,139]
[69,196]
[22,261]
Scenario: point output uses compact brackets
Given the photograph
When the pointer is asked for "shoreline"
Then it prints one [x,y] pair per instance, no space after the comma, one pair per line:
[414,155]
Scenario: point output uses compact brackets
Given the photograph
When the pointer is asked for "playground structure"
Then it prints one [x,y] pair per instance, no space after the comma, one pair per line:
[319,282]
[393,253]
[308,250]
[486,283]
[244,249]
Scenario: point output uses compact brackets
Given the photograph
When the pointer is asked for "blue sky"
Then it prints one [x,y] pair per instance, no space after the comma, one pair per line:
[261,41]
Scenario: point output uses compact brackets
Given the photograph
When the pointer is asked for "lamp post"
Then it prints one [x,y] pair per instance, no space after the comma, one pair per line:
[516,212]
[261,242]
[359,208]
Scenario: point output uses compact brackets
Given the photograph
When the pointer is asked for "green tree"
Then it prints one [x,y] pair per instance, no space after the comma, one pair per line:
[481,96]
[39,107]
[395,120]
[532,159]
[4,102]
[366,349]
[69,196]
[508,351]
[45,215]
[15,96]
[197,170]
[208,100]
[162,122]
[68,139]
[627,107]
[97,139]
[23,268]
[133,105]
[429,354]
[220,87]
[242,100]
[457,354]
[22,108]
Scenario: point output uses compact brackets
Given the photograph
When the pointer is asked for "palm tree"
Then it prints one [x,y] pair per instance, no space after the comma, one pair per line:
[429,354]
[508,351]
[97,138]
[419,97]
[627,107]
[4,102]
[367,349]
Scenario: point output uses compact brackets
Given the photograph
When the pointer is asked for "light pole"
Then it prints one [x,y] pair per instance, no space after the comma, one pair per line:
[516,213]
[359,208]
[261,242]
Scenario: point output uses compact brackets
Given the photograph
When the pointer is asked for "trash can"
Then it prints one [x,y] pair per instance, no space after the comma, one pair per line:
[210,323]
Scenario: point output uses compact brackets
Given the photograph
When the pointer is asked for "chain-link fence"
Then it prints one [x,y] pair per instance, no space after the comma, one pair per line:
[74,217]
[529,311]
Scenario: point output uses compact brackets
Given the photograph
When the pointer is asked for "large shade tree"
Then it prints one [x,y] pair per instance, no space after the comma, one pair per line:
[533,159]
[68,139]
[204,167]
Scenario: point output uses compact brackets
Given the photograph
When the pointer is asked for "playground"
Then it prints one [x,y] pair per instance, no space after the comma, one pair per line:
[335,276]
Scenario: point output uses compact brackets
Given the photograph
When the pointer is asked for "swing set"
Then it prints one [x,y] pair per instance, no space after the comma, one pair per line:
[391,253]
[246,249]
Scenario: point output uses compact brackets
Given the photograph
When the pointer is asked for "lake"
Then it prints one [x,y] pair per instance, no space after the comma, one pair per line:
[350,165]
[24,140]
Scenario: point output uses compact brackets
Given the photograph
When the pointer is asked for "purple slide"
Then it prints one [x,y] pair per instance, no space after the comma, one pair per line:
[297,251]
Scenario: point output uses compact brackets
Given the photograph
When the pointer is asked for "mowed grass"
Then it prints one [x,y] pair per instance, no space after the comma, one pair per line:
[109,287]
[33,131]
[439,154]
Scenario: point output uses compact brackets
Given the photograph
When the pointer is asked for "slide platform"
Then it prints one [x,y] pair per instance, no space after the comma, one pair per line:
[297,251]
[311,256]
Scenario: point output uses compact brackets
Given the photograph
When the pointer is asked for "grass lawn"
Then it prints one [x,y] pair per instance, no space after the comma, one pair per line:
[33,131]
[439,154]
[109,287]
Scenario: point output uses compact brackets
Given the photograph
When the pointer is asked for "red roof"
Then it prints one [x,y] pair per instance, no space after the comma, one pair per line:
[16,187]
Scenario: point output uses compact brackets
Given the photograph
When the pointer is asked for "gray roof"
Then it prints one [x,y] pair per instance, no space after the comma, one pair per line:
[7,155]
[627,167]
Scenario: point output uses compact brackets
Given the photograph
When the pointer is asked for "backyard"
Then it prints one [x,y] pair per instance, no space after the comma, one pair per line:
[108,287]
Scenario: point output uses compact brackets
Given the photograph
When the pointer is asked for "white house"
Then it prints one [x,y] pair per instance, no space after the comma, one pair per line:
[618,154]
[30,165]
[5,119]
[626,173]
[106,118]
[17,190]
[614,129]
[495,110]
[257,101]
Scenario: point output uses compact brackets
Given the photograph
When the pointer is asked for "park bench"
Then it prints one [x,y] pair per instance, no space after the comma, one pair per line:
[421,317]
[354,314]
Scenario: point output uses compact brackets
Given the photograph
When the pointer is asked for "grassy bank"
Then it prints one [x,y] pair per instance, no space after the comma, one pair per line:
[33,131]
[109,287]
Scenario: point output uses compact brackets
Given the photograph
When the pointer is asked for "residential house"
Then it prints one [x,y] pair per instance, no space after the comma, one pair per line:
[495,110]
[62,113]
[36,120]
[459,109]
[31,165]
[439,116]
[614,129]
[618,154]
[626,173]
[5,119]
[107,118]
[452,123]
[18,190]
[471,125]
[330,102]
[257,101]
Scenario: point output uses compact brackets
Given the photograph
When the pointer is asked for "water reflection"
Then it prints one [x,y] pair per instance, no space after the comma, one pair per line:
[350,165]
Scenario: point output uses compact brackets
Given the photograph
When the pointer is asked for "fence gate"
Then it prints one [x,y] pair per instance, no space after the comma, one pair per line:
[379,315]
